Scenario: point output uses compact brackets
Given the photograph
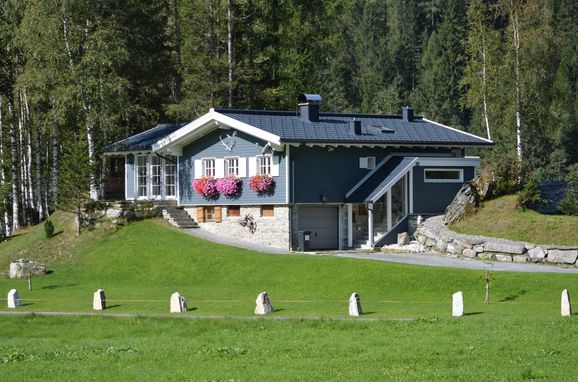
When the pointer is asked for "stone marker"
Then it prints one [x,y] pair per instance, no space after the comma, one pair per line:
[264,305]
[566,308]
[355,305]
[402,239]
[13,299]
[178,303]
[458,304]
[99,301]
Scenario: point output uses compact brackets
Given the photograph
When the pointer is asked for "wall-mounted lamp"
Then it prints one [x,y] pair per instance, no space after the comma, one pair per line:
[323,197]
[370,206]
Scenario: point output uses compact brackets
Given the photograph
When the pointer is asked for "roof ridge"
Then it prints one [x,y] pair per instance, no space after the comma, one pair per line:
[322,113]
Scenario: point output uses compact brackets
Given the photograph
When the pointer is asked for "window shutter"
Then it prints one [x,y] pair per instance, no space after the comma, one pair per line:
[198,168]
[242,167]
[274,165]
[219,168]
[252,166]
[363,162]
[218,214]
[200,215]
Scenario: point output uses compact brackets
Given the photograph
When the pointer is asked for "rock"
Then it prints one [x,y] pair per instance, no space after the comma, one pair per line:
[430,242]
[454,248]
[13,299]
[355,305]
[458,304]
[520,258]
[264,305]
[99,300]
[464,243]
[467,199]
[178,303]
[505,247]
[20,269]
[469,253]
[421,239]
[402,239]
[479,248]
[562,256]
[566,307]
[113,213]
[487,256]
[503,257]
[441,245]
[536,253]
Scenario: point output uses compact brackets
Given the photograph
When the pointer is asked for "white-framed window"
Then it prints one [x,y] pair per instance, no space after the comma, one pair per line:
[209,167]
[264,165]
[142,176]
[367,162]
[170,176]
[232,166]
[443,175]
[156,186]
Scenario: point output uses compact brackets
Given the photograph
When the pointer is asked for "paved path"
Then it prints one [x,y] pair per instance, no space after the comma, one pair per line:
[430,260]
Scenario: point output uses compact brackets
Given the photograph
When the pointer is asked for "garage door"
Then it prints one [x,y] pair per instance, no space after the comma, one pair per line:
[323,223]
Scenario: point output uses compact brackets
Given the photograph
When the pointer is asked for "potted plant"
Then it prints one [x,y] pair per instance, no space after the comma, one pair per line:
[207,187]
[262,184]
[230,186]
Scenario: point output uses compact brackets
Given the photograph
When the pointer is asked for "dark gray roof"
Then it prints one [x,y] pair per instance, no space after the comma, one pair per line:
[143,141]
[379,179]
[334,127]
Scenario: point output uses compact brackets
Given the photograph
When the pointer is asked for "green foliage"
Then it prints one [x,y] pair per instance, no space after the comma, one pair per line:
[529,196]
[48,228]
[506,174]
[569,204]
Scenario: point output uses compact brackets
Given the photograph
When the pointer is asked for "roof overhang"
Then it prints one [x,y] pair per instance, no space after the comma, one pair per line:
[174,143]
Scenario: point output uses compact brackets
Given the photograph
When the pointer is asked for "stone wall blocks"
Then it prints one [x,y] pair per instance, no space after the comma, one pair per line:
[441,245]
[487,256]
[562,256]
[503,257]
[505,247]
[470,253]
[536,253]
[520,258]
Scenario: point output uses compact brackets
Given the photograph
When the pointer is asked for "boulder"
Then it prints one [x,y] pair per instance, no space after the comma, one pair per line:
[467,199]
[503,257]
[487,256]
[99,300]
[402,239]
[520,258]
[458,304]
[264,305]
[355,305]
[505,247]
[455,248]
[536,253]
[441,245]
[21,268]
[565,306]
[469,253]
[562,256]
[13,299]
[178,303]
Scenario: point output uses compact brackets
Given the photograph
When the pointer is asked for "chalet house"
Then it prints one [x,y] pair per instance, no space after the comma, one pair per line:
[301,179]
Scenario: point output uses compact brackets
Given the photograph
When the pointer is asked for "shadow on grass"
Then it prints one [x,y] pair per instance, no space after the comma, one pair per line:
[113,306]
[368,313]
[514,296]
[57,233]
[58,286]
[473,313]
[27,304]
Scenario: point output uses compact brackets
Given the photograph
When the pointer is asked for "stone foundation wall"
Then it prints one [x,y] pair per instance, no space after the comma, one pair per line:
[272,231]
[435,236]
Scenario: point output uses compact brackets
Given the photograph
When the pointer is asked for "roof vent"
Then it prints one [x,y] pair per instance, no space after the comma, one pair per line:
[407,113]
[309,107]
[355,127]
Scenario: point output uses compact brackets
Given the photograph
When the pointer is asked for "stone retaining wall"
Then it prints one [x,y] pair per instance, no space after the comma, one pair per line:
[435,236]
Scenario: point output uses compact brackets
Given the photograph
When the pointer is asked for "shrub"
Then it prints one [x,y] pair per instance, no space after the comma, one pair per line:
[572,174]
[49,228]
[569,204]
[529,196]
[506,174]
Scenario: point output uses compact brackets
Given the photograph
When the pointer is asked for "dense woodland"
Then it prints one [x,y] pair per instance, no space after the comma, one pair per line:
[78,74]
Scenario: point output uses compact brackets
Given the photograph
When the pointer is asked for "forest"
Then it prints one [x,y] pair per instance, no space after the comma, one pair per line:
[76,75]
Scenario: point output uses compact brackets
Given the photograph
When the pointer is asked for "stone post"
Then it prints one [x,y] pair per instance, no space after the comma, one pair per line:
[178,303]
[264,305]
[13,299]
[355,305]
[458,304]
[566,308]
[99,300]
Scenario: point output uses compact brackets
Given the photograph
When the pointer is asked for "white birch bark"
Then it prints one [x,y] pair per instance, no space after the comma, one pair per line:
[484,54]
[29,143]
[55,164]
[21,144]
[230,48]
[5,221]
[14,169]
[515,20]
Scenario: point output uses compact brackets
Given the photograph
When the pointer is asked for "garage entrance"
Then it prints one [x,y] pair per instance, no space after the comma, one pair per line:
[323,222]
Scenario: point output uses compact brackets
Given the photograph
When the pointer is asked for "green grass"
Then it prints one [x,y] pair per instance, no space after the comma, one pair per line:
[520,335]
[501,218]
[107,349]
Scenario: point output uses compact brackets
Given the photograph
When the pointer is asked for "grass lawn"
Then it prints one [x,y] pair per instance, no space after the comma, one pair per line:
[520,335]
[501,218]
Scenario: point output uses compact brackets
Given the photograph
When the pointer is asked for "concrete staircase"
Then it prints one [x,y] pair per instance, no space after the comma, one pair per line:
[362,242]
[178,217]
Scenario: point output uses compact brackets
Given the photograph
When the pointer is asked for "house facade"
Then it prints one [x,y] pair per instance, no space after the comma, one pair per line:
[297,180]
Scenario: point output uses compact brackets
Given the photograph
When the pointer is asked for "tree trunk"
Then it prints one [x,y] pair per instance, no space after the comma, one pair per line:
[483,53]
[55,163]
[230,49]
[14,169]
[29,143]
[5,223]
[515,20]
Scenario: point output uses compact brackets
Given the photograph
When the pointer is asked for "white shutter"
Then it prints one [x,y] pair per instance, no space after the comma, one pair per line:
[242,167]
[252,166]
[198,168]
[274,165]
[219,168]
[363,162]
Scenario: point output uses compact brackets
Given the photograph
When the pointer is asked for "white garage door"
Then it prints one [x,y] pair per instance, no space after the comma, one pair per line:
[323,222]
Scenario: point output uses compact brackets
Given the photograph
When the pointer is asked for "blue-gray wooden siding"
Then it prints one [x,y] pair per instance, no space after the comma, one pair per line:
[319,171]
[130,186]
[210,146]
[433,198]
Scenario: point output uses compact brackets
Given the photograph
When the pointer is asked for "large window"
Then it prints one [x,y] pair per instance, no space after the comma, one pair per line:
[156,186]
[232,166]
[264,165]
[170,176]
[443,175]
[209,167]
[142,176]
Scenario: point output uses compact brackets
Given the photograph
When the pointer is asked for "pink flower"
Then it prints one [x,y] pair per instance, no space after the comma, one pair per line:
[207,187]
[229,186]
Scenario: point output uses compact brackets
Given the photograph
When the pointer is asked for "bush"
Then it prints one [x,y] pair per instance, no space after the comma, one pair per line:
[49,228]
[569,204]
[572,174]
[529,196]
[505,171]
